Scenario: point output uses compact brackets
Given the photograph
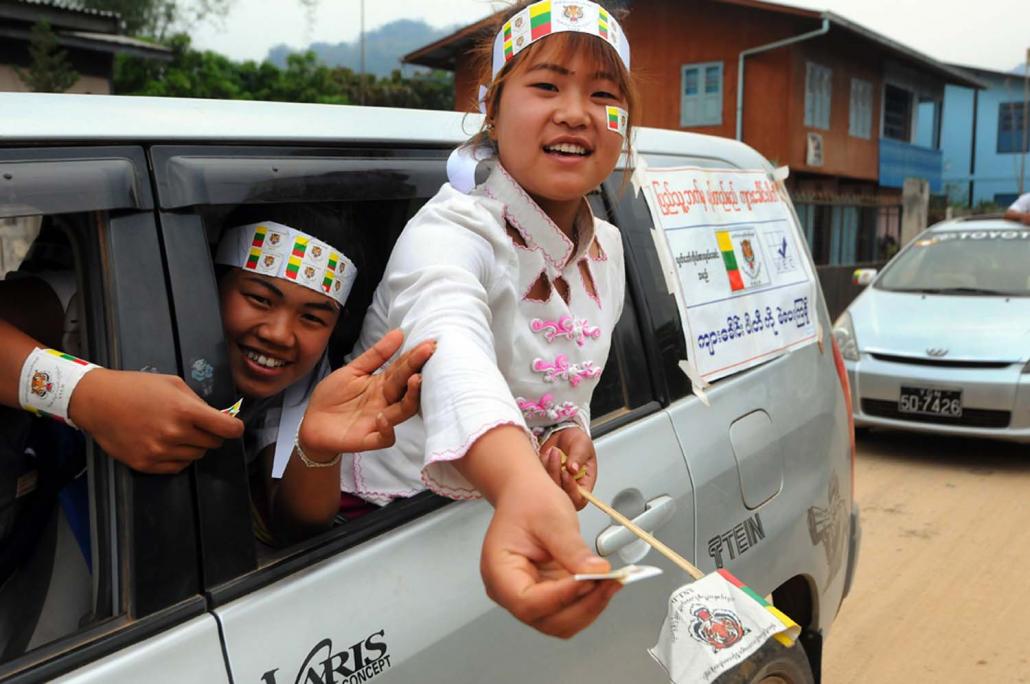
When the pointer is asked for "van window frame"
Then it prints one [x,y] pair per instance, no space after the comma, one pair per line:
[140,588]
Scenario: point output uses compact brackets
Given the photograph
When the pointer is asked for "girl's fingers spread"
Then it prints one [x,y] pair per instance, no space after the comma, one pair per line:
[378,354]
[396,414]
[395,382]
[413,394]
[385,431]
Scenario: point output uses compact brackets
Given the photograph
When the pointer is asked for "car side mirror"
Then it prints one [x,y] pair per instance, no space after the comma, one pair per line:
[863,276]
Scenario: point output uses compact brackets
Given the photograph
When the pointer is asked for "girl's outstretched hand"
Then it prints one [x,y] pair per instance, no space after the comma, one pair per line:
[533,546]
[580,463]
[530,552]
[353,410]
[152,423]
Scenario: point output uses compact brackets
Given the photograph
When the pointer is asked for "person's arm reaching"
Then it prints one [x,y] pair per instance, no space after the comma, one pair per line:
[152,423]
[533,545]
[350,410]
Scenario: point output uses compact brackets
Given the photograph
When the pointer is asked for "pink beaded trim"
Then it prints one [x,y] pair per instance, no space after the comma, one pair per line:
[577,330]
[561,369]
[547,408]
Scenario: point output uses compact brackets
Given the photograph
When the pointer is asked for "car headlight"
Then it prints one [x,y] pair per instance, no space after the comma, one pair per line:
[844,333]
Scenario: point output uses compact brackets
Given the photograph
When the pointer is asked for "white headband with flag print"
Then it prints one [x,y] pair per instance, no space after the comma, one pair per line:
[539,20]
[280,251]
[547,17]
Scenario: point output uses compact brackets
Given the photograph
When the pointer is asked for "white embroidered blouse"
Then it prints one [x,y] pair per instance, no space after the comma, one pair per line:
[458,274]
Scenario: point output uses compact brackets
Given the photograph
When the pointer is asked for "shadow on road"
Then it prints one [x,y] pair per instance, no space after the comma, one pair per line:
[978,456]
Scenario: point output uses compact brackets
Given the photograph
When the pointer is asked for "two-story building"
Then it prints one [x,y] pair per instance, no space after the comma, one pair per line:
[836,102]
[984,139]
[91,39]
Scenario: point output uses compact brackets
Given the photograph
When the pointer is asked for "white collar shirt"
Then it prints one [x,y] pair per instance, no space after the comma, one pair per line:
[463,273]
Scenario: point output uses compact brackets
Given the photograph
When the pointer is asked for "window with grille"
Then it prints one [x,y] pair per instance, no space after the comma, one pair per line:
[897,114]
[818,94]
[1013,135]
[860,119]
[701,97]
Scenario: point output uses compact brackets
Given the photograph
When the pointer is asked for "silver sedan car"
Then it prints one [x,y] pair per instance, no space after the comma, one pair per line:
[940,340]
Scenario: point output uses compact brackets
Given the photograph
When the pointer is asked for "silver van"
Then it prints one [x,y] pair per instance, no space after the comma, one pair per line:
[162,579]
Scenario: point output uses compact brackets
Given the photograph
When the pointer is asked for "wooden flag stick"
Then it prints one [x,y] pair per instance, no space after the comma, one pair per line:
[658,546]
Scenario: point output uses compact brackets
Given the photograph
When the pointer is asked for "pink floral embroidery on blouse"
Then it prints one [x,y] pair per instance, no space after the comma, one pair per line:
[546,407]
[571,329]
[561,369]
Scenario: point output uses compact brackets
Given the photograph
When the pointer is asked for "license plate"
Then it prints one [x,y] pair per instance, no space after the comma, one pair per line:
[931,402]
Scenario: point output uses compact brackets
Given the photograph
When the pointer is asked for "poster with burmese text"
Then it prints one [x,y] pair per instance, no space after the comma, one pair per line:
[744,285]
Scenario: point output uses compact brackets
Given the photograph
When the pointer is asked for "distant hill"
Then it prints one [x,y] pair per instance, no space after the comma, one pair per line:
[384,47]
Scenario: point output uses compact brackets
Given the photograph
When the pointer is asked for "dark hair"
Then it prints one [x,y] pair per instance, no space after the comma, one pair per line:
[333,224]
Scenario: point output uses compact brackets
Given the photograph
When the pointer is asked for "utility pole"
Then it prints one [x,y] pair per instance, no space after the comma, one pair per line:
[361,86]
[1026,122]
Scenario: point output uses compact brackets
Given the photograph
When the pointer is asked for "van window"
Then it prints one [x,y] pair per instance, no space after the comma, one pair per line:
[361,199]
[82,273]
[50,548]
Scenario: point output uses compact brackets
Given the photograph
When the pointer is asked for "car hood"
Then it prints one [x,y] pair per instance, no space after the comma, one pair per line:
[968,327]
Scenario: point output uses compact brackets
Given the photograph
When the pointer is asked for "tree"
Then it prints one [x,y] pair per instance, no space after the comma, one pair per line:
[50,71]
[159,19]
[207,74]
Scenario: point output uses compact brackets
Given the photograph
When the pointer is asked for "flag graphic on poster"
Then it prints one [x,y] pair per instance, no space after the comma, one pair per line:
[729,259]
[741,254]
[712,625]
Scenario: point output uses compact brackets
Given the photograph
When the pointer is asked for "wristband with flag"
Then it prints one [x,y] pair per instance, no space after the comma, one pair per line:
[48,378]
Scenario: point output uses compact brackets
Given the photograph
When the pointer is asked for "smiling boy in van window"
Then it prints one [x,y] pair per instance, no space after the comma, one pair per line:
[280,304]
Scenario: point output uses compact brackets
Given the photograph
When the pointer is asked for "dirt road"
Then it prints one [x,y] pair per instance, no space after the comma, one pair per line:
[942,592]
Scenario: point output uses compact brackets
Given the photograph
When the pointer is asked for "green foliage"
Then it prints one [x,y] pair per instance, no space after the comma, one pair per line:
[157,18]
[50,71]
[207,74]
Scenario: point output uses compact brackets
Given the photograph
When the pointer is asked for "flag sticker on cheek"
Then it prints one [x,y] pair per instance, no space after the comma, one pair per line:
[617,119]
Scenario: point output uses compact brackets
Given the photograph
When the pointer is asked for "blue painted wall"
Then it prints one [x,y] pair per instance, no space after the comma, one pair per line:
[995,174]
[899,161]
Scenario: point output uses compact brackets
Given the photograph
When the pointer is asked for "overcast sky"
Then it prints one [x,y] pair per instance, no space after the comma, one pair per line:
[993,34]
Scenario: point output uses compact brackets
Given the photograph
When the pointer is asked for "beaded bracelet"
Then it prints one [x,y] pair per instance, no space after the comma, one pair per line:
[307,461]
[48,379]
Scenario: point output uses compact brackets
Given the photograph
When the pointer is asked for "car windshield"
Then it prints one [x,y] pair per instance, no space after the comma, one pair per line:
[973,262]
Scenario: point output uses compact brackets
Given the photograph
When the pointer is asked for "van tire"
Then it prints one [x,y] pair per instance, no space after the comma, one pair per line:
[772,664]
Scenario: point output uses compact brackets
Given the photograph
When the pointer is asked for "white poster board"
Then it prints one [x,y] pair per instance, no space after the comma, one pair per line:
[735,259]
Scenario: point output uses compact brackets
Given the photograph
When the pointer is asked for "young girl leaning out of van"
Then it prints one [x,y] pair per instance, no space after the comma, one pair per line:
[277,328]
[521,287]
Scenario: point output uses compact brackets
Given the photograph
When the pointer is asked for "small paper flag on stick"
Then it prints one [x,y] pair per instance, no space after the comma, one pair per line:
[714,624]
[235,408]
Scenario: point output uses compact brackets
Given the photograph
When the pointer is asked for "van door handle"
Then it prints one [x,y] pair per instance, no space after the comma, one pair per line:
[657,512]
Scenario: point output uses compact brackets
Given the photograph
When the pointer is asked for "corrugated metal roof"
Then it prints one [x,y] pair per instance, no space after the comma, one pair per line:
[69,6]
[442,53]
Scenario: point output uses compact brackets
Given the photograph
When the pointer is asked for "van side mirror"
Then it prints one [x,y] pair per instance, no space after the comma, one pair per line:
[863,276]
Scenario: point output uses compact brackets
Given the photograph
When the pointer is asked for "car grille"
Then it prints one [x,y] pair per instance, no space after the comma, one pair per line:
[984,418]
[917,361]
